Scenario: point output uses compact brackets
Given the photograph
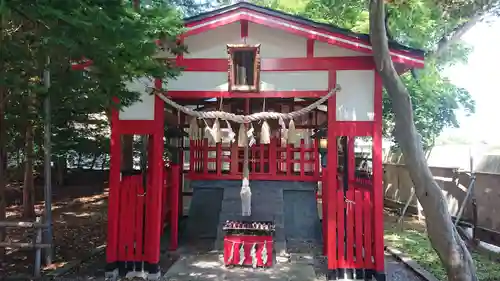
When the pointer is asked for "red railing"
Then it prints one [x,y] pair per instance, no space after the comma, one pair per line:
[267,161]
[131,223]
[170,214]
[350,214]
[132,213]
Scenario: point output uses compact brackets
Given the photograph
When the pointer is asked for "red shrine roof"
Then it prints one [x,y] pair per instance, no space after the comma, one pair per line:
[331,34]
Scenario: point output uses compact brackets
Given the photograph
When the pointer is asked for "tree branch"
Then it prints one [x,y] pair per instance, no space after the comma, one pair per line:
[443,235]
[453,37]
[386,24]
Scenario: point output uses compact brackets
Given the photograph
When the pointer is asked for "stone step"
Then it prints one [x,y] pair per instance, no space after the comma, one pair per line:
[186,269]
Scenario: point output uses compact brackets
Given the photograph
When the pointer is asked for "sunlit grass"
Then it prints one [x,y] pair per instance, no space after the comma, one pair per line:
[416,245]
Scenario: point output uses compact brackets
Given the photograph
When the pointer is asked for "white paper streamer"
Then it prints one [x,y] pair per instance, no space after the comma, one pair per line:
[263,254]
[231,255]
[242,253]
[253,254]
[246,198]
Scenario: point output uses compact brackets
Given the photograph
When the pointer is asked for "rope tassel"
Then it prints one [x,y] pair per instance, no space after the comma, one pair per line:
[242,136]
[250,136]
[208,134]
[228,137]
[194,130]
[265,133]
[291,133]
[216,131]
[265,130]
[283,132]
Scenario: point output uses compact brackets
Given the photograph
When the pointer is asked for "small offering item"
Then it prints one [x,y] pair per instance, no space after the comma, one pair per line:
[248,243]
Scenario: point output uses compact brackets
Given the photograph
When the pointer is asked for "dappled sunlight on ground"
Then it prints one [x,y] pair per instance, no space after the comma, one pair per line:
[80,224]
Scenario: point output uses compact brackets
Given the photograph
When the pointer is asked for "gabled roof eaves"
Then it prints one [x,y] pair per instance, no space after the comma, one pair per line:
[300,20]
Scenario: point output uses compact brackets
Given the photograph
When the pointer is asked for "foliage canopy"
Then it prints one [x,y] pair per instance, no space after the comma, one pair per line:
[416,23]
[119,40]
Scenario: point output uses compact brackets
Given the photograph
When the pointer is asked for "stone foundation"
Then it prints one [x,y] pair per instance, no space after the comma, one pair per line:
[290,205]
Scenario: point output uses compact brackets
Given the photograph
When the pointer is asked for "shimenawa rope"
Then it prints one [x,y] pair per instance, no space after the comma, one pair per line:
[246,118]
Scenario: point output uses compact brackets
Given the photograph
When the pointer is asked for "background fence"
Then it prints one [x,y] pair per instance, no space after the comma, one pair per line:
[454,185]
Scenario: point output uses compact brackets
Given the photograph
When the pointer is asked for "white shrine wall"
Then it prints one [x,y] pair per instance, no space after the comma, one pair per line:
[269,81]
[274,43]
[354,102]
[143,109]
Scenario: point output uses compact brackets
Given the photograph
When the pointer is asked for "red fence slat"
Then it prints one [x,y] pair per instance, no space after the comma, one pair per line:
[132,193]
[165,205]
[367,231]
[358,214]
[349,228]
[123,219]
[174,206]
[267,161]
[324,210]
[139,222]
[340,227]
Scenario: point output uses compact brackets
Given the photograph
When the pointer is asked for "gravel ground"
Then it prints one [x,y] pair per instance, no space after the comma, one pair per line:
[396,271]
[93,269]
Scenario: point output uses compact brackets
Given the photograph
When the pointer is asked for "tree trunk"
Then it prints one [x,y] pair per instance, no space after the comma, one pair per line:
[79,161]
[3,174]
[60,170]
[29,185]
[19,159]
[443,236]
[104,161]
[92,164]
[128,152]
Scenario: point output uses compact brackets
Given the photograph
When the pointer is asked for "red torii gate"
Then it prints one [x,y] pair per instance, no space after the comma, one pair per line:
[135,217]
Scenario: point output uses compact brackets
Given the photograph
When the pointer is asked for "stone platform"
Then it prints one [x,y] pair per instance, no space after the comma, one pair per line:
[210,267]
[290,205]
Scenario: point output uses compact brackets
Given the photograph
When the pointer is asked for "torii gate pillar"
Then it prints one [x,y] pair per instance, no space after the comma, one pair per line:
[145,117]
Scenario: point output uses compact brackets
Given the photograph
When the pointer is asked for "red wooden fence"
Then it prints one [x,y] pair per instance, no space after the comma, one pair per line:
[133,207]
[352,212]
[267,161]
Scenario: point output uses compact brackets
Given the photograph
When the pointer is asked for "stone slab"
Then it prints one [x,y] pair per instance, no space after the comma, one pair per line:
[210,267]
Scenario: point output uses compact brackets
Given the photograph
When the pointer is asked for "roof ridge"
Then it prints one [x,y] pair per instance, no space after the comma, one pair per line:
[298,19]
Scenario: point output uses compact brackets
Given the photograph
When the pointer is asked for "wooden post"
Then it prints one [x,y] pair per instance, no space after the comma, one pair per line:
[246,173]
[474,222]
[218,159]
[302,165]
[378,192]
[192,149]
[316,148]
[114,190]
[174,213]
[332,181]
[234,166]
[205,156]
[38,253]
[273,164]
[324,210]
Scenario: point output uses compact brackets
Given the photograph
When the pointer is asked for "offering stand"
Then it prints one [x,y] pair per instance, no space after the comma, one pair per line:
[248,243]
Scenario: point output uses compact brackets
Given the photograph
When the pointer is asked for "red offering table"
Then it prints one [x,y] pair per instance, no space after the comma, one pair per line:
[263,250]
[248,244]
